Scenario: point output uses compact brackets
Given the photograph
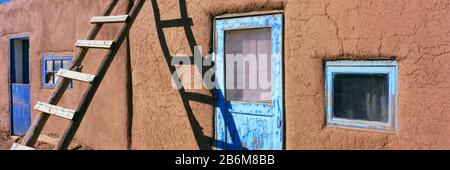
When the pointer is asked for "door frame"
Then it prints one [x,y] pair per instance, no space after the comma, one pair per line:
[269,19]
[12,38]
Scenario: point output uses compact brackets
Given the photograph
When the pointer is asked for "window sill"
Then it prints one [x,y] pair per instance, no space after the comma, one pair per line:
[363,126]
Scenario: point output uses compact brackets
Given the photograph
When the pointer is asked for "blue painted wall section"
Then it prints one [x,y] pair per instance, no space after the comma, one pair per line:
[252,126]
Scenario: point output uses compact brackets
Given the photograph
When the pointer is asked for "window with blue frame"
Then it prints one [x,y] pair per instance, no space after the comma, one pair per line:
[361,94]
[51,63]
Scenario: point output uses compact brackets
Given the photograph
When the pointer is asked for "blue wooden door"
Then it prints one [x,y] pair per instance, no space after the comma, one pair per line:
[20,108]
[253,123]
[20,86]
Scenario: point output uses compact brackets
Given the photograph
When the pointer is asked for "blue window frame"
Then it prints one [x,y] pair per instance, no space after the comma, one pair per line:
[249,123]
[362,94]
[51,63]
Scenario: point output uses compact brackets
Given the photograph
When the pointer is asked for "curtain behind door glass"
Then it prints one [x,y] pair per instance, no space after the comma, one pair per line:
[252,49]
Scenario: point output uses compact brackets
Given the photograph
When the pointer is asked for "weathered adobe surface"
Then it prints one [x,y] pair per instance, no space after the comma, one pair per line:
[415,32]
[54,26]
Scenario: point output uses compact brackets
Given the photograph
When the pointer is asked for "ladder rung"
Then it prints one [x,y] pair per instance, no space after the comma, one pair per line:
[109,19]
[94,43]
[17,146]
[55,110]
[176,23]
[76,75]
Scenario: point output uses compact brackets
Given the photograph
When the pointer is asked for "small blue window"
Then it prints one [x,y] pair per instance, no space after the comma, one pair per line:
[361,94]
[51,63]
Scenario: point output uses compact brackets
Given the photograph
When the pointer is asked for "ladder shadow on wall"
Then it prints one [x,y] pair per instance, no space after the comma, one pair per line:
[204,142]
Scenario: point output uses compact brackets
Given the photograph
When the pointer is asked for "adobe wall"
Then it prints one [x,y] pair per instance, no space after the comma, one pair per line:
[415,32]
[54,26]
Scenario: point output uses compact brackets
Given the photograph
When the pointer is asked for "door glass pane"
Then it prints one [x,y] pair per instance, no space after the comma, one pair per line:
[18,62]
[248,59]
[361,96]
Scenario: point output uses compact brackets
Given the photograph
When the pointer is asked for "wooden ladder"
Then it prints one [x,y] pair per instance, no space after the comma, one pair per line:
[73,72]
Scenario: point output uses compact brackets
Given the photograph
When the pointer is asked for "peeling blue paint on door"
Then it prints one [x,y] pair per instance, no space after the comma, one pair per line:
[243,125]
[19,85]
[20,108]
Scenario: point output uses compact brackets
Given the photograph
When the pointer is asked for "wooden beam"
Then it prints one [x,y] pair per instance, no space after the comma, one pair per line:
[76,75]
[94,44]
[55,110]
[17,146]
[47,139]
[109,19]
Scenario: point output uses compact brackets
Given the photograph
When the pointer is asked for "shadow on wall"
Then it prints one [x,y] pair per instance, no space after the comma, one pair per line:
[203,142]
[347,56]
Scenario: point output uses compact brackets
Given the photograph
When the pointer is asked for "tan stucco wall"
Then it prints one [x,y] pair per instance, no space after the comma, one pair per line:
[54,26]
[415,32]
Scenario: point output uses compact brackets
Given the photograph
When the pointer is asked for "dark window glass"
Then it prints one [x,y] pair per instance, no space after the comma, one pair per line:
[361,96]
[49,78]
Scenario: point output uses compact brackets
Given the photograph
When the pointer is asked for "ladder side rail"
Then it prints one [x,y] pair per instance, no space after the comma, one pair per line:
[39,122]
